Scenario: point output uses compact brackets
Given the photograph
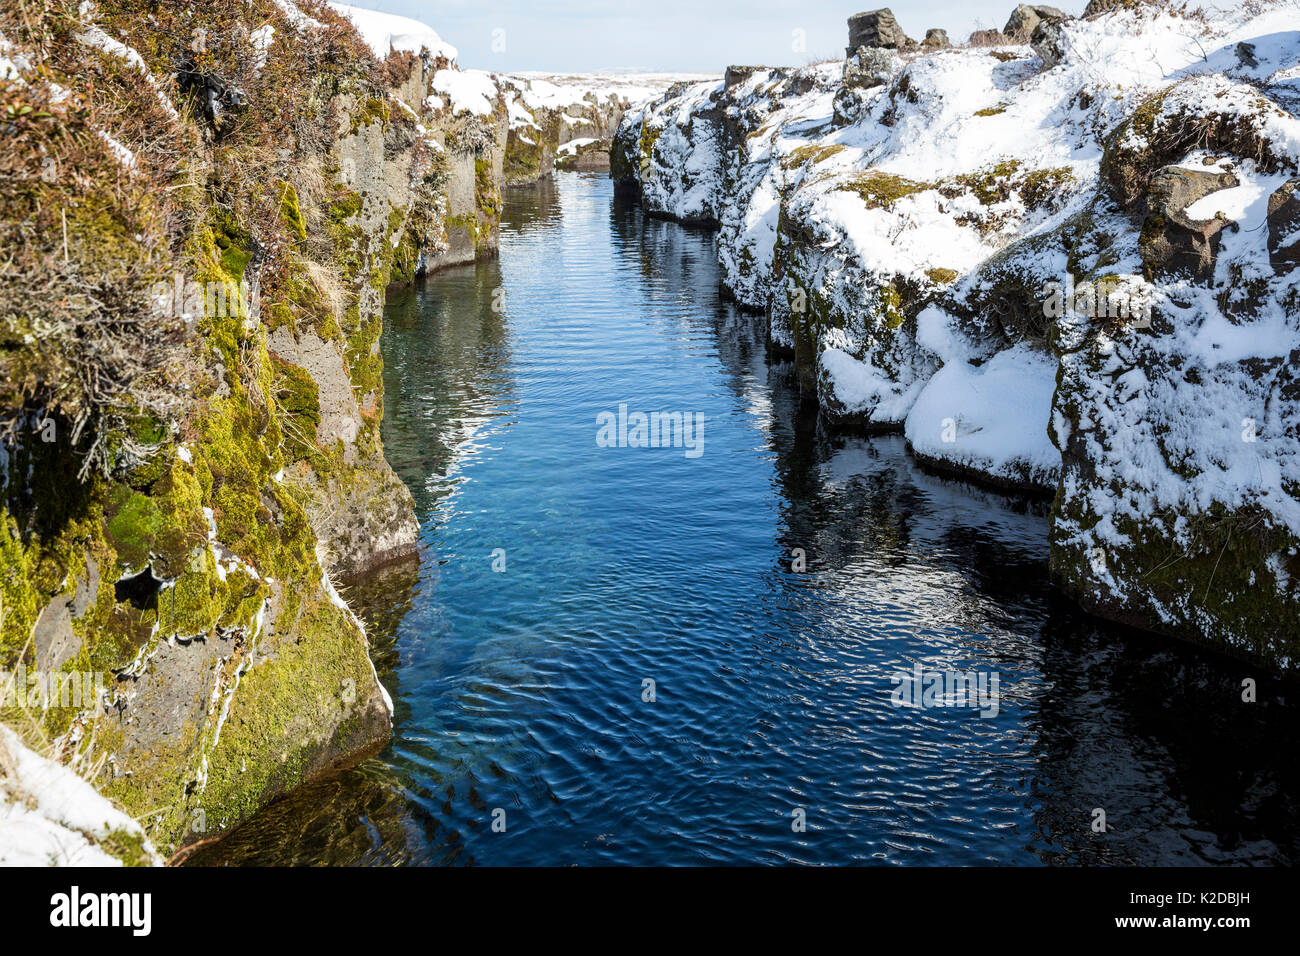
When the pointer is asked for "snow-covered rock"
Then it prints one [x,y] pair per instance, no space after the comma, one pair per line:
[49,816]
[1071,272]
[549,112]
[385,32]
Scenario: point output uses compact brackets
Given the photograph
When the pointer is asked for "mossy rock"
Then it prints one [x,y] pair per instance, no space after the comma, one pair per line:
[882,190]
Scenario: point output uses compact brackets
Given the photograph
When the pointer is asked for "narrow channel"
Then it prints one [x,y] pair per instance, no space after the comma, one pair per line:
[683,655]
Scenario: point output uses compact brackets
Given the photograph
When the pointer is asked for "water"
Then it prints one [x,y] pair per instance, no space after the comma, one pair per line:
[520,692]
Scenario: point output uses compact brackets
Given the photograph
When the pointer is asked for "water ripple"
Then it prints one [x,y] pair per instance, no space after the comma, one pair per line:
[520,692]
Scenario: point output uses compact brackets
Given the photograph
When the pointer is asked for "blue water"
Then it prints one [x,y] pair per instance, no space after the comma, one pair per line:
[521,693]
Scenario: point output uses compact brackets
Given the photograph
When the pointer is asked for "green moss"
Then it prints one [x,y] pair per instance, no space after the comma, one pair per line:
[298,400]
[992,110]
[372,109]
[287,709]
[990,185]
[646,145]
[232,244]
[289,208]
[134,521]
[891,306]
[810,155]
[1042,186]
[1216,587]
[18,589]
[941,276]
[127,847]
[487,196]
[881,190]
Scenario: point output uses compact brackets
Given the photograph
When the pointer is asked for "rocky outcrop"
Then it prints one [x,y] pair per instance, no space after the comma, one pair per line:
[936,39]
[877,29]
[1172,242]
[1026,17]
[193,458]
[1284,227]
[560,122]
[1119,334]
[870,66]
[1050,40]
[1096,8]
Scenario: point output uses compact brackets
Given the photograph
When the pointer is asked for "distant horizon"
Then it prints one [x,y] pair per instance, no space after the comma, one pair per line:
[672,36]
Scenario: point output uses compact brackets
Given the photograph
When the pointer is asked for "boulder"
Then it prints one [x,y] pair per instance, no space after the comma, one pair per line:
[936,39]
[1098,7]
[735,75]
[877,28]
[987,38]
[1172,243]
[1049,41]
[1026,16]
[1284,227]
[870,66]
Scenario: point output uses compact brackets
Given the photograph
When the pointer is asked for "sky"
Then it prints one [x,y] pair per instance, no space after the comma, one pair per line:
[582,36]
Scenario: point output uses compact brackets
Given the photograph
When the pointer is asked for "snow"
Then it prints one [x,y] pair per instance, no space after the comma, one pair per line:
[297,19]
[469,91]
[992,418]
[49,816]
[123,155]
[384,32]
[573,145]
[261,40]
[93,36]
[558,91]
[947,119]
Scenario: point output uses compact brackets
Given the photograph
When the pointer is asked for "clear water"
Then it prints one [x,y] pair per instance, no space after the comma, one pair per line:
[521,691]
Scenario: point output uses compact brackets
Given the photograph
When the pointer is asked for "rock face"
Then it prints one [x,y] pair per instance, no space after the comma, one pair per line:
[235,468]
[936,39]
[1172,242]
[877,28]
[869,67]
[1098,7]
[563,122]
[1049,40]
[1025,17]
[1090,330]
[1284,227]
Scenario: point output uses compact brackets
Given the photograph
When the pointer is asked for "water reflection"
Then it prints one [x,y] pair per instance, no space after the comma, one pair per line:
[520,691]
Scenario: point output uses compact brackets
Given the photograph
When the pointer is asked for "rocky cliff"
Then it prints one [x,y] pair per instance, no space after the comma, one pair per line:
[203,207]
[1060,259]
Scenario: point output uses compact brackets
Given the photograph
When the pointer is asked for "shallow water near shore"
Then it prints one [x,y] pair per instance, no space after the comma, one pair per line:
[772,736]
